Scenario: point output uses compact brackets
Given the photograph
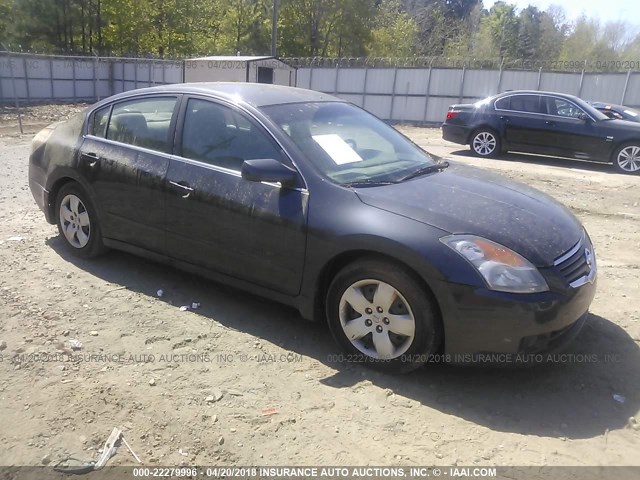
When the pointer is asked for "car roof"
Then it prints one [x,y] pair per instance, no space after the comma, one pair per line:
[538,92]
[255,94]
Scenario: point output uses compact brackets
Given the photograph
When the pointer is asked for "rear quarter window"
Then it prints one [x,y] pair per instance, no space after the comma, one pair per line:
[99,121]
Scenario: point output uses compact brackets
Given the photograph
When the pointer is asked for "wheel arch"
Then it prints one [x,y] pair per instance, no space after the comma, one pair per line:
[483,126]
[617,146]
[338,262]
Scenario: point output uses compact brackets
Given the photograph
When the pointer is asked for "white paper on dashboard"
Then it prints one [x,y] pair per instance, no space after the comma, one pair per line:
[339,150]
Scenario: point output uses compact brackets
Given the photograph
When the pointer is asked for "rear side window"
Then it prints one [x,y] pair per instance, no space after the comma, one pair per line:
[143,123]
[502,103]
[99,121]
[525,103]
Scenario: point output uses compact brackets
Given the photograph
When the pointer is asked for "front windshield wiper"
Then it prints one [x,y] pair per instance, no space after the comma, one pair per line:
[425,170]
[368,183]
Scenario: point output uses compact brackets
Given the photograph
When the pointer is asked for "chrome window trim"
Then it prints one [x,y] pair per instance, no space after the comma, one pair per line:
[542,114]
[197,163]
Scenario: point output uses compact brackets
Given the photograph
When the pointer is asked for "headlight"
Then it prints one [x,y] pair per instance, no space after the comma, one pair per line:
[501,268]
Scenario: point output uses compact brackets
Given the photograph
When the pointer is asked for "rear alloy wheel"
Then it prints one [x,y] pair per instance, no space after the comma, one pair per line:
[381,316]
[485,143]
[77,222]
[626,159]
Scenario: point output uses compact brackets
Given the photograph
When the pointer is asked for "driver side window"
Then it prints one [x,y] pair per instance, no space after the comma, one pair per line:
[563,108]
[221,136]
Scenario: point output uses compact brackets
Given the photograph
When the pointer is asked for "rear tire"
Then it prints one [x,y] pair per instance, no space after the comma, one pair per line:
[626,158]
[485,143]
[381,316]
[77,222]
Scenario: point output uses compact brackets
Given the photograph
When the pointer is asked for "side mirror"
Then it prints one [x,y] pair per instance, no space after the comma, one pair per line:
[583,116]
[268,170]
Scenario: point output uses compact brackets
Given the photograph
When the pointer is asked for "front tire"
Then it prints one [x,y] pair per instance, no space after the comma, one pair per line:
[485,143]
[626,159]
[77,222]
[382,316]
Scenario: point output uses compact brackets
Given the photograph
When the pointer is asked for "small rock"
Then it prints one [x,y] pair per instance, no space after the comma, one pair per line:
[152,382]
[93,333]
[195,306]
[210,399]
[160,293]
[46,460]
[217,395]
[184,308]
[439,455]
[214,419]
[75,344]
[221,441]
[65,333]
[3,345]
[232,430]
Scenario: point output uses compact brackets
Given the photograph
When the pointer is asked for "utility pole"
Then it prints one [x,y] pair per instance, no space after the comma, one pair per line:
[274,30]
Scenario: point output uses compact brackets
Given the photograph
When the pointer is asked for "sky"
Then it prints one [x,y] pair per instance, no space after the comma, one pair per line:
[605,10]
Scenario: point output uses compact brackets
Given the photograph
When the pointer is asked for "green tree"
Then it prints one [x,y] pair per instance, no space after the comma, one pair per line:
[394,32]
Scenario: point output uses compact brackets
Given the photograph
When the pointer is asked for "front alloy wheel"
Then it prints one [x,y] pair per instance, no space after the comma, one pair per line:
[485,143]
[382,316]
[627,159]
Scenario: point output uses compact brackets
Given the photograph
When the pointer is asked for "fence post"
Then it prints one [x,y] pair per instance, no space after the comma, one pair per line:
[135,74]
[393,91]
[364,87]
[26,78]
[151,63]
[581,83]
[539,78]
[626,84]
[51,78]
[335,84]
[73,75]
[310,75]
[426,100]
[15,93]
[464,71]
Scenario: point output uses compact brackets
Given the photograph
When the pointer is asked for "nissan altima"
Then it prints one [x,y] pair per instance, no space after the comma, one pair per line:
[307,199]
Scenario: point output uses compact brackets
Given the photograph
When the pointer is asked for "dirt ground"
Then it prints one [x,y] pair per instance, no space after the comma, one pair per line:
[243,381]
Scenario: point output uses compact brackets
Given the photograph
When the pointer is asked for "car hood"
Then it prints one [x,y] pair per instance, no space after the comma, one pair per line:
[467,200]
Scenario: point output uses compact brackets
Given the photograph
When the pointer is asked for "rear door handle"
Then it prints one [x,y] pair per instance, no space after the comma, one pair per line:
[183,186]
[91,157]
[550,123]
[505,119]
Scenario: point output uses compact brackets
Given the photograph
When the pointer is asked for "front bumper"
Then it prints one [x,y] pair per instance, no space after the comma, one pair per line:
[480,321]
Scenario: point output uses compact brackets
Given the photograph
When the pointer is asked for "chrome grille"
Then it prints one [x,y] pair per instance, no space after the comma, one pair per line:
[577,266]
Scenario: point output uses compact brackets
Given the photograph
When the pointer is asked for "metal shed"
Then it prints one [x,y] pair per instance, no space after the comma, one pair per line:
[239,69]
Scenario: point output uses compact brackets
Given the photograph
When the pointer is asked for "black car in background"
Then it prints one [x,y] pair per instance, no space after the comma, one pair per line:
[544,123]
[619,112]
[311,201]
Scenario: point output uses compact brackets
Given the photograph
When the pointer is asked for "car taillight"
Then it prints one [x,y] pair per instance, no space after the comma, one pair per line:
[42,136]
[451,114]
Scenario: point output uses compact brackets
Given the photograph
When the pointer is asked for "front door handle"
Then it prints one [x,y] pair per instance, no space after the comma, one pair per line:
[550,123]
[183,186]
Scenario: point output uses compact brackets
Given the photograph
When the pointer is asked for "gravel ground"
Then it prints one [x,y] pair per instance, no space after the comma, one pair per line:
[245,381]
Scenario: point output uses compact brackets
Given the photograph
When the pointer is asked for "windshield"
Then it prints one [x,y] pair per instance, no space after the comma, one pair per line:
[347,144]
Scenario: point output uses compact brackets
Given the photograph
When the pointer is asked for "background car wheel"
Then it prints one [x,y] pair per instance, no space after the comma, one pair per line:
[77,222]
[381,315]
[626,159]
[485,143]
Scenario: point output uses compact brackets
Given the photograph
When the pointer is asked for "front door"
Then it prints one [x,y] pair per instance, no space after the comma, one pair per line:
[249,230]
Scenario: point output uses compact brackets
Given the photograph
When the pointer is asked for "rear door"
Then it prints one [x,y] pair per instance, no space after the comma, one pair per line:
[524,124]
[249,230]
[125,158]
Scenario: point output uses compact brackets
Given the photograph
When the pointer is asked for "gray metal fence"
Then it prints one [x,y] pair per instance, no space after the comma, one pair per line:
[42,78]
[424,94]
[396,93]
